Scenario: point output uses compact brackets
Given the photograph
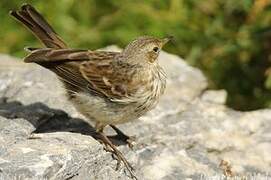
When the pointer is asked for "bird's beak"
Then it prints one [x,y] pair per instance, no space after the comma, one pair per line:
[166,40]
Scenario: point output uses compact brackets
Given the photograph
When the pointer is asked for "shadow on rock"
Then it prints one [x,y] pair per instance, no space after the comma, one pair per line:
[43,118]
[47,120]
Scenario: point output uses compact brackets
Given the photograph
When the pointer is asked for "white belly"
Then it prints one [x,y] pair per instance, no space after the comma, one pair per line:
[97,109]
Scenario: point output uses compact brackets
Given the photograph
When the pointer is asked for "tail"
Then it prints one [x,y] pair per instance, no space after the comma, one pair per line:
[34,21]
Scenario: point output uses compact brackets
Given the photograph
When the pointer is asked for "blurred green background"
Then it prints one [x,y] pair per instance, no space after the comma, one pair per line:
[229,40]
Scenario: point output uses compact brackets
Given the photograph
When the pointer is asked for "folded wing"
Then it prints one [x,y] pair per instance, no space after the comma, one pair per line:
[84,70]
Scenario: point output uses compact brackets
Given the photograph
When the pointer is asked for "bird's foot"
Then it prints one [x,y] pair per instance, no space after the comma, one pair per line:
[110,147]
[130,140]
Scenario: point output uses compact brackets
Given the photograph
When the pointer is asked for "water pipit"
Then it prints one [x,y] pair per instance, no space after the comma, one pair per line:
[108,88]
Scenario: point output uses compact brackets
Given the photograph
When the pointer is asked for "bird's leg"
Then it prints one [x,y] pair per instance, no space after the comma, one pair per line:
[121,136]
[119,156]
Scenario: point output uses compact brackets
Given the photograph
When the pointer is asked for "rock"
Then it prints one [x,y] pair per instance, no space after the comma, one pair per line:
[215,96]
[190,135]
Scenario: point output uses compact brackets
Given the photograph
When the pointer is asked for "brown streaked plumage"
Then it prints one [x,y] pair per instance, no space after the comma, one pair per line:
[108,88]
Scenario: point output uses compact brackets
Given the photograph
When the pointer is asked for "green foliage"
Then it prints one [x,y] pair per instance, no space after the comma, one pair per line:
[229,40]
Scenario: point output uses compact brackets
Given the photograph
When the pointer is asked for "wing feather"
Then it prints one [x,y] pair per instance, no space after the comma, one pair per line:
[83,70]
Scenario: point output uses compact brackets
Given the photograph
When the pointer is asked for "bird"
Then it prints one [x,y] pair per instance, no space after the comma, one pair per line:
[108,88]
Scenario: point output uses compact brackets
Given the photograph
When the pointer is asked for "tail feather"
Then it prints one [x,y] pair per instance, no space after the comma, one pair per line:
[28,16]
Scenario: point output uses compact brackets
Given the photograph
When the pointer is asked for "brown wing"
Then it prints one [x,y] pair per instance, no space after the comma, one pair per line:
[83,70]
[67,55]
[105,78]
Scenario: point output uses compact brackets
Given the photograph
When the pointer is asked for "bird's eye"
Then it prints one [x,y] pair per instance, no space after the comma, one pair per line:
[156,49]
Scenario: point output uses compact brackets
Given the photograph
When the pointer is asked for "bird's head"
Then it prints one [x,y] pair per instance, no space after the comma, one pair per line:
[145,49]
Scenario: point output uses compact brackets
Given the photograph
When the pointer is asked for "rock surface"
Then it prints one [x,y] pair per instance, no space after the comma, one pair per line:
[187,136]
